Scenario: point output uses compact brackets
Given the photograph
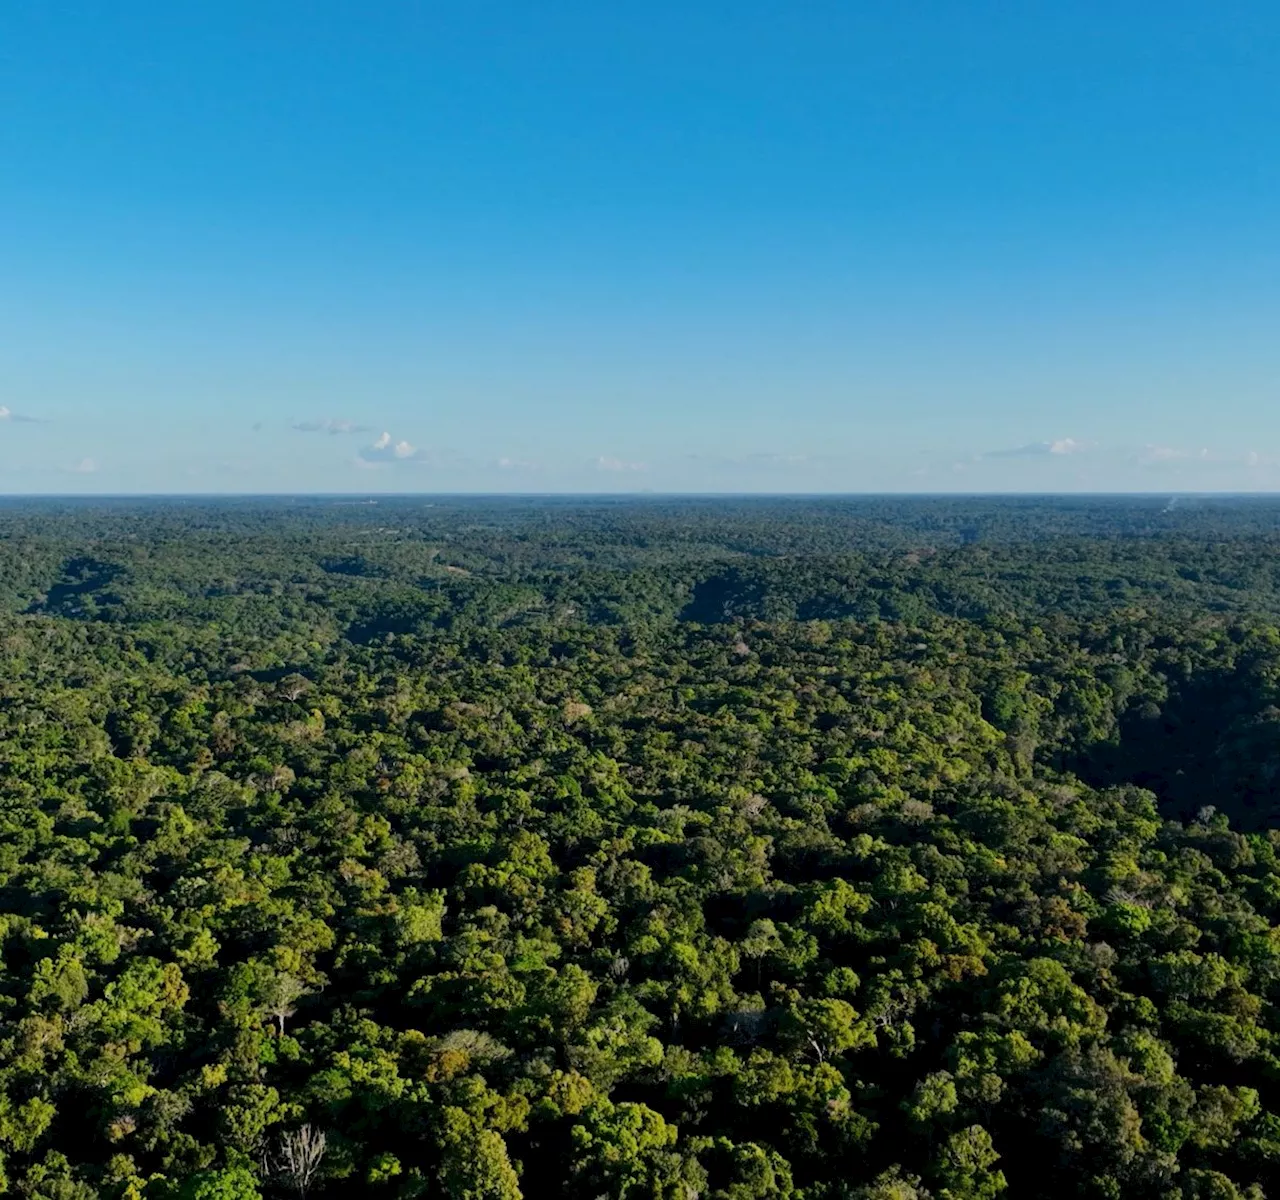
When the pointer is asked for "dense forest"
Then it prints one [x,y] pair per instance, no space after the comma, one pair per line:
[646,849]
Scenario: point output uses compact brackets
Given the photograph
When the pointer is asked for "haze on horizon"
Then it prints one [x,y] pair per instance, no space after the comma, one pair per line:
[862,247]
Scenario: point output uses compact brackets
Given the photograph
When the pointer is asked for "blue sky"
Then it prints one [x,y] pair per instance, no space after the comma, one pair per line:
[328,246]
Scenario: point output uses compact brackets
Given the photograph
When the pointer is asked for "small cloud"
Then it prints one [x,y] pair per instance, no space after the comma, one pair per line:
[778,460]
[1059,446]
[329,426]
[761,460]
[7,414]
[606,463]
[1151,453]
[86,466]
[386,451]
[517,464]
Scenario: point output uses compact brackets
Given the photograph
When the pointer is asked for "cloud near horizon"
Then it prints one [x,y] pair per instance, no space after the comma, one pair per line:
[7,414]
[1154,455]
[387,451]
[605,462]
[329,426]
[1059,446]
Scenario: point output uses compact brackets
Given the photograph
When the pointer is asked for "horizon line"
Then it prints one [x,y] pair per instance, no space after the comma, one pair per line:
[647,494]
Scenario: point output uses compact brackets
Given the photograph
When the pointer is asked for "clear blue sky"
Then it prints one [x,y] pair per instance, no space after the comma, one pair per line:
[747,246]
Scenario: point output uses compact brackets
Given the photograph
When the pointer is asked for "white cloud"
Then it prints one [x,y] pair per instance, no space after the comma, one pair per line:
[7,414]
[386,451]
[329,426]
[86,466]
[607,463]
[784,461]
[517,464]
[760,459]
[1152,454]
[1155,455]
[1058,446]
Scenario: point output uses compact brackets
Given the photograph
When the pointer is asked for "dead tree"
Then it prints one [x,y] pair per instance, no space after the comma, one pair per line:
[298,1157]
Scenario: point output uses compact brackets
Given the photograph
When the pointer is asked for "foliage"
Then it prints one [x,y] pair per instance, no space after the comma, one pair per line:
[749,850]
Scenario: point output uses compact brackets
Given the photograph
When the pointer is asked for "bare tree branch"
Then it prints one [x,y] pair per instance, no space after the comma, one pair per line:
[299,1156]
